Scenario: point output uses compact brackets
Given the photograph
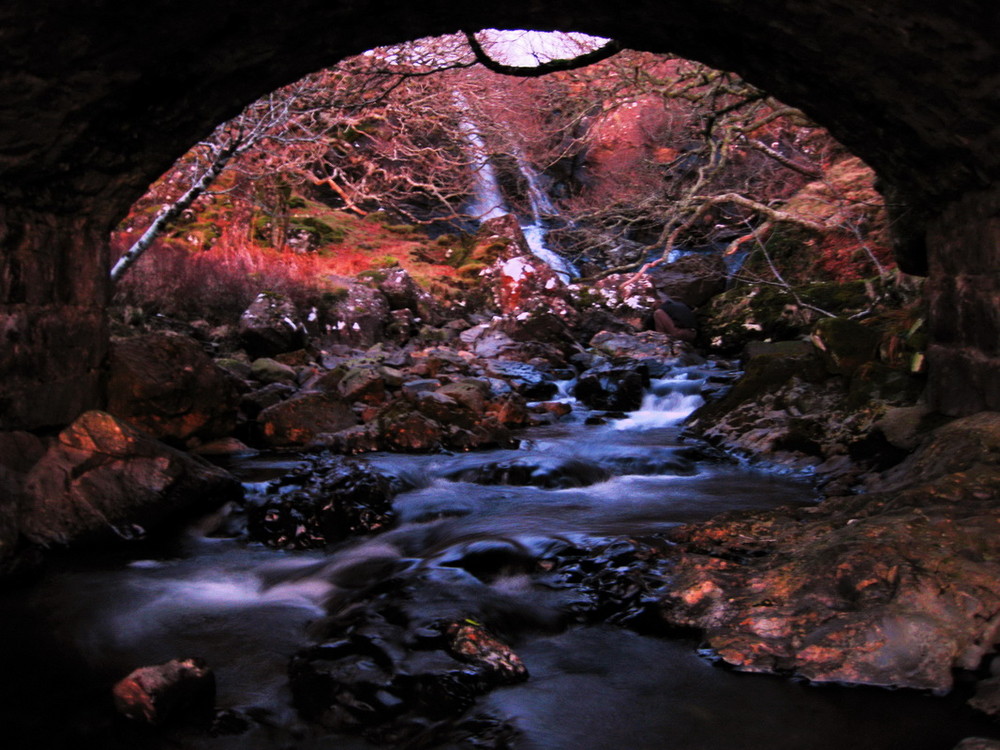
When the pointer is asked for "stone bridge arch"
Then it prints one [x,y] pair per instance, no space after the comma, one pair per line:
[97,99]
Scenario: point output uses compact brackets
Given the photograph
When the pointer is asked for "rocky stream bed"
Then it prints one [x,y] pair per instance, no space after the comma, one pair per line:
[546,596]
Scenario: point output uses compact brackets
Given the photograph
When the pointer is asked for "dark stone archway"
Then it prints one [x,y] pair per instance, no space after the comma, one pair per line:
[97,99]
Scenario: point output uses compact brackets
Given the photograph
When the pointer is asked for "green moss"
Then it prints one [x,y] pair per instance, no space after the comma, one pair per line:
[471,270]
[334,294]
[321,231]
[372,275]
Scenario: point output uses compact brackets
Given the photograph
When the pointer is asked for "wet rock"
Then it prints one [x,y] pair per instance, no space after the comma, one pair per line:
[471,392]
[328,499]
[896,587]
[102,478]
[494,659]
[510,411]
[612,387]
[271,326]
[402,426]
[181,689]
[537,471]
[365,680]
[657,351]
[298,421]
[224,447]
[445,410]
[526,379]
[420,385]
[165,384]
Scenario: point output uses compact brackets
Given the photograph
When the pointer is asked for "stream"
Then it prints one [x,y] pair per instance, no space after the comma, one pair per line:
[470,531]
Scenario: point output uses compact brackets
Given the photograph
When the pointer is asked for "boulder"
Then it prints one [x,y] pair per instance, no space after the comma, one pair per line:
[893,588]
[266,370]
[271,326]
[525,379]
[403,293]
[358,320]
[165,384]
[693,279]
[550,472]
[325,501]
[364,383]
[403,427]
[629,297]
[612,387]
[656,351]
[181,689]
[748,313]
[102,478]
[253,403]
[299,420]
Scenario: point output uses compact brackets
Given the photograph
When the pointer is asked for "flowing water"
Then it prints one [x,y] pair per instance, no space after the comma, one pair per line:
[69,634]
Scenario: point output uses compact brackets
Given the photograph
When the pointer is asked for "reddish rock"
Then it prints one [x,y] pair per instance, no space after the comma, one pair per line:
[401,426]
[470,392]
[180,689]
[102,477]
[165,384]
[895,588]
[299,420]
[366,384]
[472,643]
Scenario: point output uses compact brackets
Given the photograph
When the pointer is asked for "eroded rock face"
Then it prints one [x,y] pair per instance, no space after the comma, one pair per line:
[165,384]
[895,588]
[102,478]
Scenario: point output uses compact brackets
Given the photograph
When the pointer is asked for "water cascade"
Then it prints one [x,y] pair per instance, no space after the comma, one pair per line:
[488,201]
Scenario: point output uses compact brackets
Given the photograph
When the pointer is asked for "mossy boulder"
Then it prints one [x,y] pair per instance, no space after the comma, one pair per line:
[767,313]
[267,370]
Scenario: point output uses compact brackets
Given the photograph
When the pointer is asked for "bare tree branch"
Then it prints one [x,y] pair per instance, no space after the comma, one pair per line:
[609,49]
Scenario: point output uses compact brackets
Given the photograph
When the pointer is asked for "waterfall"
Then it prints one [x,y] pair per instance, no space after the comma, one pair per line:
[535,231]
[488,201]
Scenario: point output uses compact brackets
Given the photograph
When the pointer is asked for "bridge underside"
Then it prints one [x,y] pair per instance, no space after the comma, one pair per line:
[96,103]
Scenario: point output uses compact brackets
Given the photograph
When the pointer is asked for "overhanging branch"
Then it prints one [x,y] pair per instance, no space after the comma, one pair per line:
[543,68]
